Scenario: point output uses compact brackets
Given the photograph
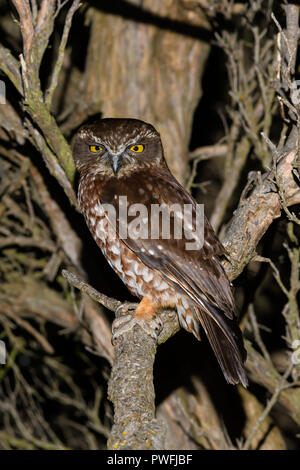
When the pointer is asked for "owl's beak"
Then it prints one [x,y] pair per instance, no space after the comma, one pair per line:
[116,162]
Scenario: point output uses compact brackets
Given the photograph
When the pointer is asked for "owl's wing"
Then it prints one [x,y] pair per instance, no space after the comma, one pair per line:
[196,273]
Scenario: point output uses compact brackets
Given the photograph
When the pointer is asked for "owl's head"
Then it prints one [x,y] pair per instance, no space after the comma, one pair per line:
[117,147]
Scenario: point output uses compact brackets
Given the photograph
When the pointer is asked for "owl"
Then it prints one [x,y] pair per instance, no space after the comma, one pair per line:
[122,167]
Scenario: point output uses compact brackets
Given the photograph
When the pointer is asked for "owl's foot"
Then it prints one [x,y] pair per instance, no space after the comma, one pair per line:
[128,322]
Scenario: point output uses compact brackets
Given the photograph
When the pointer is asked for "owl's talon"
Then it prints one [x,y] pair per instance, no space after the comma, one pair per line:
[124,308]
[127,322]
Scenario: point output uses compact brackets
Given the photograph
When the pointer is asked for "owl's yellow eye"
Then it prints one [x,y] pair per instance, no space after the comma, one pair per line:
[95,148]
[137,148]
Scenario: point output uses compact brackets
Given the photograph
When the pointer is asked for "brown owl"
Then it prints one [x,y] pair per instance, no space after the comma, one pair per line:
[122,166]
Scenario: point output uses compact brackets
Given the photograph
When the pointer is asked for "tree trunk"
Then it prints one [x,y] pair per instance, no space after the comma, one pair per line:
[148,65]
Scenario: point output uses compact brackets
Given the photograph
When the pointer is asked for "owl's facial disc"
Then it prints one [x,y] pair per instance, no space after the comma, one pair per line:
[113,158]
[124,157]
[117,147]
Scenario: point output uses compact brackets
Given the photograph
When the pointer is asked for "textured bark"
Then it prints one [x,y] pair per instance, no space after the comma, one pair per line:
[259,205]
[268,437]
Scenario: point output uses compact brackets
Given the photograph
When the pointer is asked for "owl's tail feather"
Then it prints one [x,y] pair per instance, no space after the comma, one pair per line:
[226,340]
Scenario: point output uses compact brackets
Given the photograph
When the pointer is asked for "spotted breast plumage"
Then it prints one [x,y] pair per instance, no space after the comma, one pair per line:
[121,162]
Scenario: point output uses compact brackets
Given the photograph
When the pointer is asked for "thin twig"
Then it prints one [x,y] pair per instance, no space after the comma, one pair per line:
[268,408]
[108,302]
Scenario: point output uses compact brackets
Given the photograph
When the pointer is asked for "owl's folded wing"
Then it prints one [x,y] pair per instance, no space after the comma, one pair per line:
[198,274]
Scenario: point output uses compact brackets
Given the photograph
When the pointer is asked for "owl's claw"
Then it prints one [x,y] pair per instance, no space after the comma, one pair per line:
[128,322]
[124,308]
